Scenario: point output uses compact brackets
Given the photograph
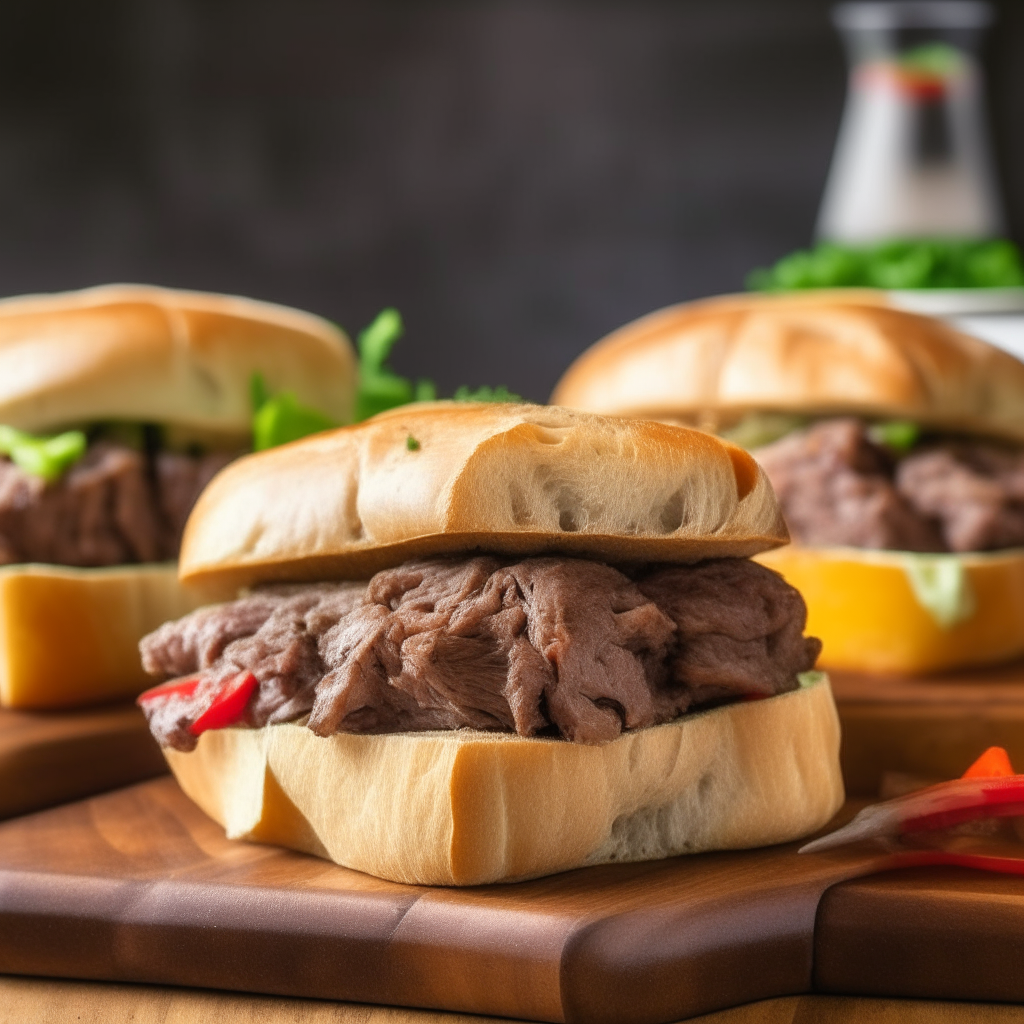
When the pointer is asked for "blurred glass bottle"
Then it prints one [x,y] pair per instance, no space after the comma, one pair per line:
[913,158]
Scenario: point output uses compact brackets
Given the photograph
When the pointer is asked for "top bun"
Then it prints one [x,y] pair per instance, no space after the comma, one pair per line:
[445,477]
[823,353]
[133,352]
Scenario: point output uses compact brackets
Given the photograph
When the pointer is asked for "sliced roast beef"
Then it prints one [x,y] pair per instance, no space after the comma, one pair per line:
[740,628]
[180,480]
[114,507]
[974,491]
[558,646]
[835,487]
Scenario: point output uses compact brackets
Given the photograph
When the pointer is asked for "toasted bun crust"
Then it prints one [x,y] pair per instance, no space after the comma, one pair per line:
[133,352]
[855,598]
[70,637]
[466,808]
[452,477]
[827,353]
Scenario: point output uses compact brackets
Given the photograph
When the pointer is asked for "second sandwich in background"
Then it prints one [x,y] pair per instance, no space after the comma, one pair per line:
[117,405]
[895,445]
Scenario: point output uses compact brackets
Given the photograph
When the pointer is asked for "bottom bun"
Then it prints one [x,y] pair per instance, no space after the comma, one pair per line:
[464,807]
[908,614]
[70,637]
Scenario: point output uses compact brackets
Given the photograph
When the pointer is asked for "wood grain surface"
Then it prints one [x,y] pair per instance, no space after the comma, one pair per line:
[932,727]
[50,757]
[942,933]
[140,886]
[70,1002]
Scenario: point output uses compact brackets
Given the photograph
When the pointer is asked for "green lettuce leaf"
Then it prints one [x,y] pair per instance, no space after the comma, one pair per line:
[897,435]
[46,457]
[898,264]
[379,387]
[281,418]
[486,394]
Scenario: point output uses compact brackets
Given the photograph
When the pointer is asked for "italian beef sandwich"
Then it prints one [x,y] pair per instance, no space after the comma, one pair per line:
[117,405]
[894,442]
[480,643]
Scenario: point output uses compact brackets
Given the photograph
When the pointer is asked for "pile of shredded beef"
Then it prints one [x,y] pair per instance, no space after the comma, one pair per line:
[115,506]
[551,646]
[837,487]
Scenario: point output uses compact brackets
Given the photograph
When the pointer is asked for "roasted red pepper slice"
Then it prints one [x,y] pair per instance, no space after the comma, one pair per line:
[985,791]
[993,764]
[229,704]
[172,688]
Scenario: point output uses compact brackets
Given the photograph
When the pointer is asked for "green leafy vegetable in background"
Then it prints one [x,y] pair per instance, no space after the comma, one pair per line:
[937,60]
[937,263]
[486,394]
[380,388]
[281,418]
[757,429]
[898,435]
[46,457]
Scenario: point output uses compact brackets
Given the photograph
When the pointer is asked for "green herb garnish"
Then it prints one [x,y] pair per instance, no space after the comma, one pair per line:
[935,263]
[897,435]
[486,394]
[46,457]
[281,418]
[412,444]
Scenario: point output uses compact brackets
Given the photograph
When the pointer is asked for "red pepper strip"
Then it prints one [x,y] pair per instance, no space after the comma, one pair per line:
[993,764]
[229,704]
[173,688]
[942,858]
[941,806]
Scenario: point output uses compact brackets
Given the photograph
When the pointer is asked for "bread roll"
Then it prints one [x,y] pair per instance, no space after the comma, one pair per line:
[457,477]
[466,808]
[908,614]
[829,353]
[70,637]
[133,352]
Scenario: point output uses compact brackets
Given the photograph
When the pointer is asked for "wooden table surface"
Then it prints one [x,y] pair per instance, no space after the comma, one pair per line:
[51,757]
[69,1002]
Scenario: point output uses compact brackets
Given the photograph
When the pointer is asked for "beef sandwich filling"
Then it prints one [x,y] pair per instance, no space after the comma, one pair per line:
[117,505]
[540,646]
[838,485]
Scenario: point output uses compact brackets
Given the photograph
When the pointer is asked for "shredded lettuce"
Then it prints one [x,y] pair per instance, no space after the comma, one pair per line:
[812,678]
[486,394]
[281,418]
[897,435]
[941,586]
[924,263]
[757,429]
[46,457]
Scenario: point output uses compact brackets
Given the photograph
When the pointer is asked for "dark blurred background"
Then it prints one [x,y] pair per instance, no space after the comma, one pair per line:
[517,176]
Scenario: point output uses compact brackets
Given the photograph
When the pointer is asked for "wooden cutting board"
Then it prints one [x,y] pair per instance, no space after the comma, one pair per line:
[140,886]
[931,727]
[51,757]
[941,933]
